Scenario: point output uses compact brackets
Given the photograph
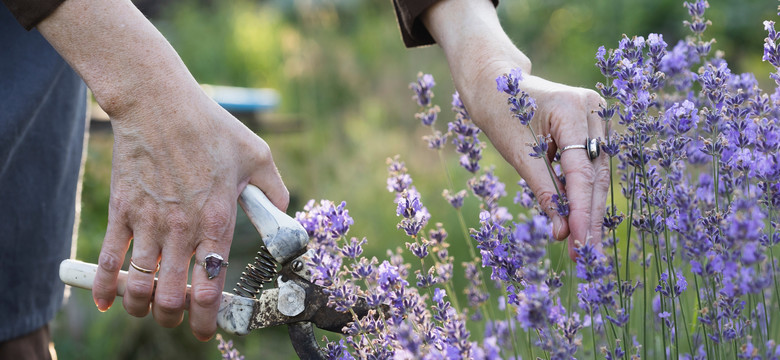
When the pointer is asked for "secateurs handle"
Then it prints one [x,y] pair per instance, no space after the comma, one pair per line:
[282,235]
[82,275]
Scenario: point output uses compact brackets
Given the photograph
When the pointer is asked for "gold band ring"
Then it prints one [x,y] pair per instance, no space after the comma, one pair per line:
[144,270]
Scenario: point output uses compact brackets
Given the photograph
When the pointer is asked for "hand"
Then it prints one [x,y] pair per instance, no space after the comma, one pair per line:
[478,51]
[179,163]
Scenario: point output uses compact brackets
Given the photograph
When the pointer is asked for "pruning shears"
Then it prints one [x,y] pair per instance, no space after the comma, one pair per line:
[282,261]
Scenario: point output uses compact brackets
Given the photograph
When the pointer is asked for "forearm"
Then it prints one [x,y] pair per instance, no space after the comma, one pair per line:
[117,51]
[471,36]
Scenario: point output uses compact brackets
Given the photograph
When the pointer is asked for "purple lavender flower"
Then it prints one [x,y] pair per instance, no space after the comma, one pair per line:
[682,117]
[436,141]
[533,309]
[607,63]
[325,221]
[458,107]
[354,248]
[423,89]
[227,350]
[399,180]
[510,82]
[771,52]
[456,200]
[428,117]
[488,188]
[524,197]
[414,214]
[342,295]
[539,148]
[337,351]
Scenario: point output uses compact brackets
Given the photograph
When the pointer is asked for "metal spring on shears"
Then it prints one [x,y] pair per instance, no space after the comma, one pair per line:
[263,270]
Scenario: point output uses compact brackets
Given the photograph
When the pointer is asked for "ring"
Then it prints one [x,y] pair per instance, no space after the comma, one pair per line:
[144,270]
[213,264]
[591,146]
[573,147]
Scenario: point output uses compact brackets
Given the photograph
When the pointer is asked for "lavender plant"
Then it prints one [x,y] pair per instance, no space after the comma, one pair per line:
[686,268]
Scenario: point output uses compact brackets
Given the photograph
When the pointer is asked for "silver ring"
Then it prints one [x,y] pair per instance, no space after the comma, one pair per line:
[572,147]
[591,146]
[594,150]
[213,264]
[144,270]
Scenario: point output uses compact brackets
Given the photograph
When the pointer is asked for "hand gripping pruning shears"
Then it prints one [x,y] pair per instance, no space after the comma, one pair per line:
[282,261]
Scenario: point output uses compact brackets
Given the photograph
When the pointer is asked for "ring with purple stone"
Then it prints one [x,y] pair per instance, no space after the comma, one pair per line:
[213,264]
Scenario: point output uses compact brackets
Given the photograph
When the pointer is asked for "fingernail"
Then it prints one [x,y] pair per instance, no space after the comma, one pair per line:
[102,305]
[557,226]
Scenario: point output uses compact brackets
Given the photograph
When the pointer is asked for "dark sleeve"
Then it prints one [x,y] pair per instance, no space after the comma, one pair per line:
[413,31]
[30,12]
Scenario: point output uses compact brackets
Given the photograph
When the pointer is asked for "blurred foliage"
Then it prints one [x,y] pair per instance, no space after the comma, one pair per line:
[340,65]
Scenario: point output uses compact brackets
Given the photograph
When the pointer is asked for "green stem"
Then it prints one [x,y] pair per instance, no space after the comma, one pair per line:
[703,327]
[549,166]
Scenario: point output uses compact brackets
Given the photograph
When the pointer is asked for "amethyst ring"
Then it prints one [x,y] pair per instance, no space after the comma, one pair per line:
[213,264]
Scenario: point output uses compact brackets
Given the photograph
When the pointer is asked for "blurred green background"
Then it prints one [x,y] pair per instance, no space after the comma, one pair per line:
[343,75]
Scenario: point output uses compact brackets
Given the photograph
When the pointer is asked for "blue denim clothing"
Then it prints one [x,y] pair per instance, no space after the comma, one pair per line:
[42,120]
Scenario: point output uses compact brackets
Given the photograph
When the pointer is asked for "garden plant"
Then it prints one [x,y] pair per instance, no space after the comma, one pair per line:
[685,267]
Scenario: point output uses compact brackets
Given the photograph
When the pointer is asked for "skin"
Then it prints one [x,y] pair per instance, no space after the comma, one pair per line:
[179,162]
[478,51]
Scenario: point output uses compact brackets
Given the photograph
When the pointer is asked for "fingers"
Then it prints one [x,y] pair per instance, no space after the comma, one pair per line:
[206,293]
[538,179]
[140,274]
[572,128]
[216,231]
[170,295]
[601,180]
[112,255]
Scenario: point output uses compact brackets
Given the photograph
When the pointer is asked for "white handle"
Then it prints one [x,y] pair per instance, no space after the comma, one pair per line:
[82,275]
[235,312]
[283,236]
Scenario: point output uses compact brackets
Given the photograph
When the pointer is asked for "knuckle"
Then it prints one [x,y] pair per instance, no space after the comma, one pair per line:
[602,178]
[546,200]
[263,152]
[138,289]
[584,173]
[117,203]
[206,296]
[169,304]
[177,222]
[593,98]
[109,262]
[216,220]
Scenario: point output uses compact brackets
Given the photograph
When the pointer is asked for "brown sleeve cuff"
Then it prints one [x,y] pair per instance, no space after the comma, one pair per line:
[413,30]
[30,12]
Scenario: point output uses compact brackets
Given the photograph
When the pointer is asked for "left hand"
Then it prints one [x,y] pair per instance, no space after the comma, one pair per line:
[478,51]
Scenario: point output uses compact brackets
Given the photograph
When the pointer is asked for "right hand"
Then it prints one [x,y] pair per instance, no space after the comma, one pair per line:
[180,162]
[179,165]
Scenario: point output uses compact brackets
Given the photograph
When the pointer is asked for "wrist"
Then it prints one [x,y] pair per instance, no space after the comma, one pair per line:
[471,36]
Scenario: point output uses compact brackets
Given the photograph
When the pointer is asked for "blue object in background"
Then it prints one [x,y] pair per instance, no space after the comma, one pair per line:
[243,100]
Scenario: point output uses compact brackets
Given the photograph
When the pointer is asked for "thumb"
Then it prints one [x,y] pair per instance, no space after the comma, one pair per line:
[264,174]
